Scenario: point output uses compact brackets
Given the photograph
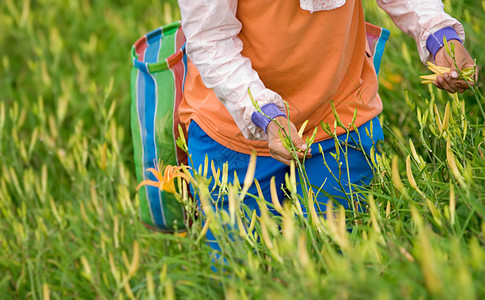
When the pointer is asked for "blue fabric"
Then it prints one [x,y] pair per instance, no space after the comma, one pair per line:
[435,40]
[270,110]
[360,172]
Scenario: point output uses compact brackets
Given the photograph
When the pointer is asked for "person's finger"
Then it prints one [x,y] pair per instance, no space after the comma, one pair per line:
[301,154]
[460,85]
[277,148]
[298,142]
[442,83]
[281,155]
[451,78]
[460,90]
[454,80]
[453,74]
[301,147]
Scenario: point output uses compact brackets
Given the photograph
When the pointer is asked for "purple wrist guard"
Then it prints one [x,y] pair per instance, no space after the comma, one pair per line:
[435,40]
[270,110]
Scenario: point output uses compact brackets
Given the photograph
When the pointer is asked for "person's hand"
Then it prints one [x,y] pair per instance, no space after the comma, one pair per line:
[452,81]
[276,146]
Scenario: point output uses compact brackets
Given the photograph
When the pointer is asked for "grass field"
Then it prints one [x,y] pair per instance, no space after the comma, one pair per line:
[69,227]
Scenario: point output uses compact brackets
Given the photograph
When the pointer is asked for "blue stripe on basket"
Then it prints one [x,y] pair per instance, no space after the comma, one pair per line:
[147,108]
[140,104]
[381,43]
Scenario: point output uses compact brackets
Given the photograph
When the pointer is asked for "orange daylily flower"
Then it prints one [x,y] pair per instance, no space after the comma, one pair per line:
[165,181]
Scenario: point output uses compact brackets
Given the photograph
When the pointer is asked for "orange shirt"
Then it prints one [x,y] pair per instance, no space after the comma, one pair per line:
[310,59]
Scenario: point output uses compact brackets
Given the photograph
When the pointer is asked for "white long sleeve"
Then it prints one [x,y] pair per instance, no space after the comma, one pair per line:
[419,19]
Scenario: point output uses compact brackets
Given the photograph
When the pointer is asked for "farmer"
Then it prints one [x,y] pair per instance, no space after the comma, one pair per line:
[311,54]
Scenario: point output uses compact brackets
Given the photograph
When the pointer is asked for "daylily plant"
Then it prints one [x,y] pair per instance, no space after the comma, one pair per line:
[165,181]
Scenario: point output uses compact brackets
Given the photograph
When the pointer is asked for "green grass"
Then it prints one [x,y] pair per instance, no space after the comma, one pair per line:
[68,207]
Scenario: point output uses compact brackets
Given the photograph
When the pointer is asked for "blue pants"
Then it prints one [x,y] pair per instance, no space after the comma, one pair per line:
[358,169]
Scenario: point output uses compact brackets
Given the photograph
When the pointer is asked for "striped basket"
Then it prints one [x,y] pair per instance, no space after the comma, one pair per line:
[157,77]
